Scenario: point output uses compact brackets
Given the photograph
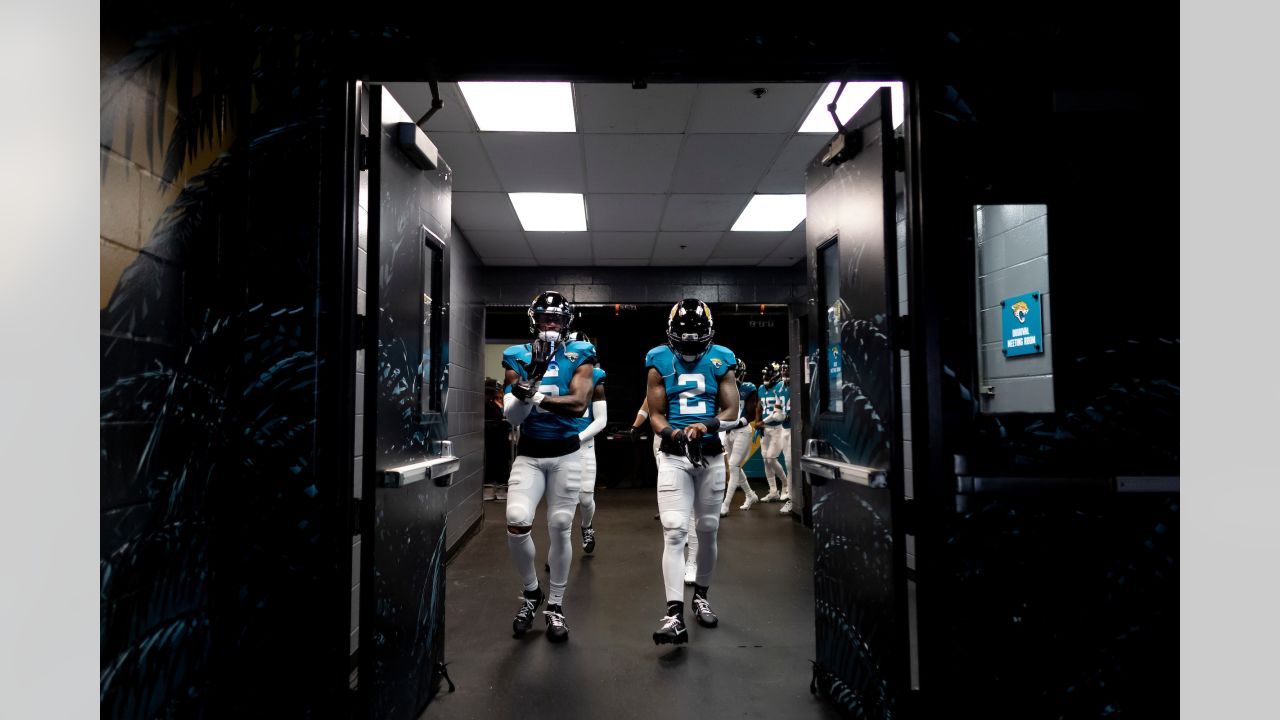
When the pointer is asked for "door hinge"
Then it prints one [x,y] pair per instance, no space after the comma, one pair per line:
[362,152]
[987,391]
[899,153]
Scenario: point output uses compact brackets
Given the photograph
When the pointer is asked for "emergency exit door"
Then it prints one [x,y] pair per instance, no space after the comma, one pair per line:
[852,453]
[408,460]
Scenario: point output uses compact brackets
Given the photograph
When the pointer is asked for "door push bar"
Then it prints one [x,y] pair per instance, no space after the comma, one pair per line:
[977,485]
[439,469]
[823,469]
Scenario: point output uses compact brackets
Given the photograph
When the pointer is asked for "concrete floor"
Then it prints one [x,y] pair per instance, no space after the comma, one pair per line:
[755,664]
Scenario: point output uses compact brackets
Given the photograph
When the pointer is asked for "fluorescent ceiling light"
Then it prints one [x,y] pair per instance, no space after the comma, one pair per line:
[561,212]
[521,106]
[854,96]
[771,213]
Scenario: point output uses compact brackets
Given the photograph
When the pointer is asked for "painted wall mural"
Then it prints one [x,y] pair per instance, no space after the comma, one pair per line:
[222,507]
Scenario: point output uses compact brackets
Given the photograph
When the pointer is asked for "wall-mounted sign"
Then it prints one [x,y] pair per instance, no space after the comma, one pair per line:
[1020,318]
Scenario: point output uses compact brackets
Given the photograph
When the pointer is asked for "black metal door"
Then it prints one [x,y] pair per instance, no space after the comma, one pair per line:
[853,458]
[408,462]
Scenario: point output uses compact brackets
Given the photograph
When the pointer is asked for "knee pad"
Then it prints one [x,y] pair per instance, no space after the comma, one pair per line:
[586,498]
[709,523]
[672,520]
[559,520]
[676,536]
[518,514]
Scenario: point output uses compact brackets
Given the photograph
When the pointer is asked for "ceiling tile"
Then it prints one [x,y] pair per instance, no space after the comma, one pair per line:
[733,108]
[415,98]
[787,173]
[631,163]
[560,245]
[617,108]
[724,163]
[484,211]
[749,244]
[536,162]
[623,244]
[498,243]
[684,248]
[703,212]
[468,160]
[789,251]
[624,212]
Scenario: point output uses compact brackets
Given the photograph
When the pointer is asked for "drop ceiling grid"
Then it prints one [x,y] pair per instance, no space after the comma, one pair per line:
[721,152]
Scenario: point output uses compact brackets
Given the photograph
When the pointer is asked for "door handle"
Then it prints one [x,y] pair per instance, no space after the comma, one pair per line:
[440,469]
[823,469]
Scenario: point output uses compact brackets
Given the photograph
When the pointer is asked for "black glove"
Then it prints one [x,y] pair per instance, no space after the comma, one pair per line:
[635,432]
[523,390]
[693,451]
[542,352]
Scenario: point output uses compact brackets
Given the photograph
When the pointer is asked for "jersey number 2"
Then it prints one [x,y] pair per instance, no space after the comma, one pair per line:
[687,407]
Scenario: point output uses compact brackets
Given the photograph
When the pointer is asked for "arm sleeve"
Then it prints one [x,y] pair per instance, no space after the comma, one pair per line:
[515,410]
[600,415]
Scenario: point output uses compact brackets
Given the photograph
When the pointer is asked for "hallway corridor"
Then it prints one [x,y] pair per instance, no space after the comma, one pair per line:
[755,664]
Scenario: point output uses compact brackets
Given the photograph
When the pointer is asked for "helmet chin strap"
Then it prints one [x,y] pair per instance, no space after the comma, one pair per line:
[549,336]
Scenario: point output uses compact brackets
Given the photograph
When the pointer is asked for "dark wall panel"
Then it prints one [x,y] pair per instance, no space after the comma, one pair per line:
[223,510]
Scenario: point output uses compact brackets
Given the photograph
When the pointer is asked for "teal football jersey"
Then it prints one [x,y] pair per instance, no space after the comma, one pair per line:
[691,388]
[745,391]
[773,396]
[542,424]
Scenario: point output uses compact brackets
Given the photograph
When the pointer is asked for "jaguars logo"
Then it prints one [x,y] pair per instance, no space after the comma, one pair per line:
[717,362]
[1020,310]
[573,356]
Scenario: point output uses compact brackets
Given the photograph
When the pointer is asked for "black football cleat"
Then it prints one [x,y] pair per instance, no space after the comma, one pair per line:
[702,609]
[524,616]
[557,630]
[671,632]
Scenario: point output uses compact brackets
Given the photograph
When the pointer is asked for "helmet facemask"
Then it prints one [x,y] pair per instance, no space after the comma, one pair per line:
[550,316]
[689,329]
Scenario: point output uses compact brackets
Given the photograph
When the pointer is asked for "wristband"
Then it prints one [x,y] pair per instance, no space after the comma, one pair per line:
[668,432]
[713,425]
[643,413]
[537,398]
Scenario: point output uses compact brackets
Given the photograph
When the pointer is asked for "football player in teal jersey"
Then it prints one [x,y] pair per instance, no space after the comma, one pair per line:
[692,395]
[591,423]
[548,388]
[737,443]
[775,404]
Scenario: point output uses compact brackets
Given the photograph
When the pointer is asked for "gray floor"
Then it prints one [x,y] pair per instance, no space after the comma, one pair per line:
[756,664]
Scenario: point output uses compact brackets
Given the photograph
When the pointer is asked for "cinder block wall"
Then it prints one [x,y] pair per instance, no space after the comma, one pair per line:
[746,285]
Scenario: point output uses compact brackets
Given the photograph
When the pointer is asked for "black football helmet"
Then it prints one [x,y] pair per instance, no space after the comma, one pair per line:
[770,372]
[740,370]
[689,329]
[550,305]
